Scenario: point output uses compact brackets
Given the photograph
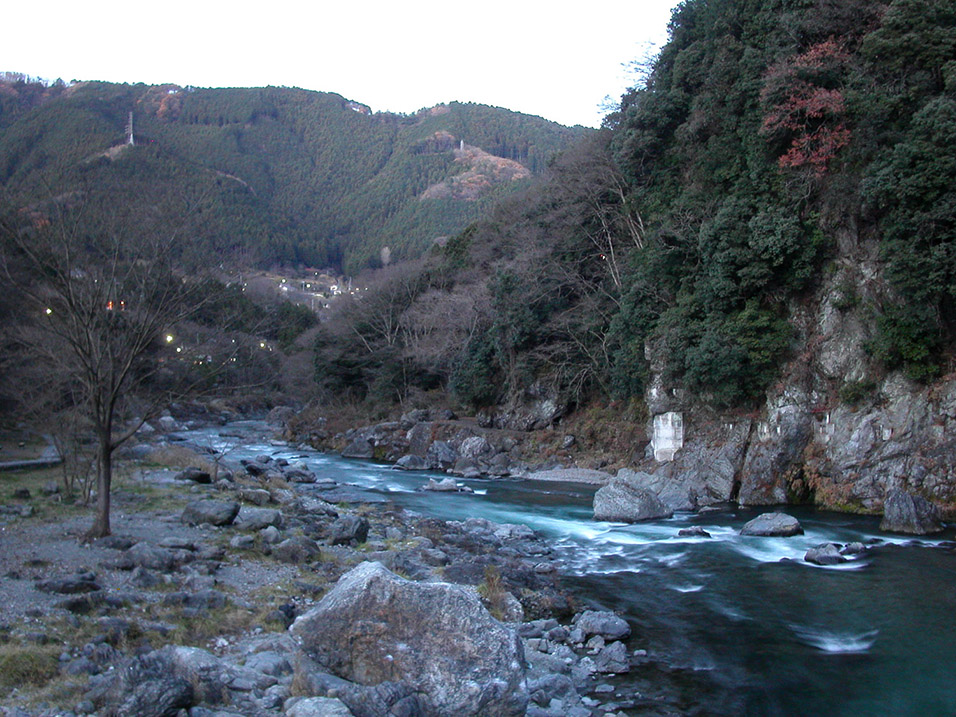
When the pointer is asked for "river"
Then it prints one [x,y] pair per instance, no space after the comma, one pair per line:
[733,625]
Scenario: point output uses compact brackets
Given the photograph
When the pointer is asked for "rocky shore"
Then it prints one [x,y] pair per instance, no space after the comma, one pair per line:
[187,608]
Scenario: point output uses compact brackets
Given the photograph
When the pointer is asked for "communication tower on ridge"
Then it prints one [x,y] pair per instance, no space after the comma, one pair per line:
[129,130]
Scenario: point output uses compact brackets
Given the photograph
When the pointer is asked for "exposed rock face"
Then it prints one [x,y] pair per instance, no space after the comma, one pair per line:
[359,448]
[773,453]
[480,172]
[907,513]
[778,525]
[537,407]
[835,429]
[374,627]
[624,499]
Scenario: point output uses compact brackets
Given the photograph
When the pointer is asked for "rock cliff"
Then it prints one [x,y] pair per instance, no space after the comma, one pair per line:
[836,430]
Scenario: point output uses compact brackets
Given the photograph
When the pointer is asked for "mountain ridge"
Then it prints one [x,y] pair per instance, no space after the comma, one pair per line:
[330,183]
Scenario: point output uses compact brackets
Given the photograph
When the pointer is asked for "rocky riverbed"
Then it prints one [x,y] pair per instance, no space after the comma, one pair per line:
[186,609]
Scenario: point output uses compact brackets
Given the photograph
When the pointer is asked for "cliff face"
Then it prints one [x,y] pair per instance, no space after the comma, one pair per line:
[835,430]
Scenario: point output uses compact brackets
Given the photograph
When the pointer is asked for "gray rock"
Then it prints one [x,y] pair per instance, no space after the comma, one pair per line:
[446,485]
[778,525]
[411,462]
[256,496]
[572,475]
[270,535]
[770,459]
[418,438]
[310,504]
[196,475]
[384,700]
[259,518]
[441,455]
[270,663]
[143,578]
[297,549]
[359,448]
[79,583]
[374,627]
[349,529]
[83,604]
[907,513]
[299,474]
[317,707]
[152,557]
[606,624]
[242,542]
[115,542]
[474,447]
[213,512]
[624,500]
[200,600]
[854,548]
[695,531]
[177,542]
[827,554]
[613,659]
[256,470]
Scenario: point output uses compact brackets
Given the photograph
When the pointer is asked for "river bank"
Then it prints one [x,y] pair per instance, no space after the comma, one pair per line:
[721,623]
[222,556]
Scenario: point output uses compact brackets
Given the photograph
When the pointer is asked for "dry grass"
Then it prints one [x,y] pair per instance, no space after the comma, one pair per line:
[27,664]
[492,592]
[173,456]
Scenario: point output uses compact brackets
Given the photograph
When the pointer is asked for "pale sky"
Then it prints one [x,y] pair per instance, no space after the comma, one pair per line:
[525,55]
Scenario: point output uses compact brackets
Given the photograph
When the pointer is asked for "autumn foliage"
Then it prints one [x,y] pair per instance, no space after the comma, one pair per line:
[805,110]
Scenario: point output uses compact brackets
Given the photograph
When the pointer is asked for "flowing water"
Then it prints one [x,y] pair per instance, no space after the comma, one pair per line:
[733,625]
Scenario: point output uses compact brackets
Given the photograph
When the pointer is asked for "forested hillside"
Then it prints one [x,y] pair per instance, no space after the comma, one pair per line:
[787,166]
[274,175]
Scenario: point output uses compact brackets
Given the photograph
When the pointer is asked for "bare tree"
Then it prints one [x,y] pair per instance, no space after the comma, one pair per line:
[98,293]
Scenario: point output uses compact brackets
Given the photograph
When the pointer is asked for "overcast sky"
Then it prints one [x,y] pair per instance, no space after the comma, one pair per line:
[525,55]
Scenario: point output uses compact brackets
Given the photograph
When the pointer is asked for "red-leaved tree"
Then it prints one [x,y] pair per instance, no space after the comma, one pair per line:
[805,111]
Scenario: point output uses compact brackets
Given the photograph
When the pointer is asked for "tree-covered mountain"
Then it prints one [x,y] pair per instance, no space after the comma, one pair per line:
[785,169]
[276,175]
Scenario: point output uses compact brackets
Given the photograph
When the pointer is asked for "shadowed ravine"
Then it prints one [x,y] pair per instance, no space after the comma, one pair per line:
[731,624]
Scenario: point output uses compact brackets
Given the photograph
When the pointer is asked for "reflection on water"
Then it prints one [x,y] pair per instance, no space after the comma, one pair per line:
[733,625]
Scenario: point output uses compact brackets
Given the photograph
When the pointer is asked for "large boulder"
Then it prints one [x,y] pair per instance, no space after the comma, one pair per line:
[826,554]
[375,627]
[213,512]
[907,513]
[623,499]
[779,525]
[259,518]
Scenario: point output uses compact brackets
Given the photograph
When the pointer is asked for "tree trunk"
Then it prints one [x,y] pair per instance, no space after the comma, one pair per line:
[104,479]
